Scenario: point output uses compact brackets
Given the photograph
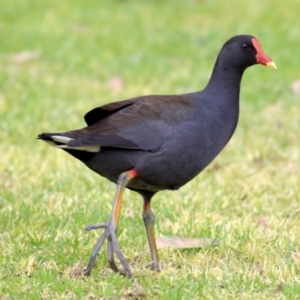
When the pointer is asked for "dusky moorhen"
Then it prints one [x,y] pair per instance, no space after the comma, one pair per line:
[153,143]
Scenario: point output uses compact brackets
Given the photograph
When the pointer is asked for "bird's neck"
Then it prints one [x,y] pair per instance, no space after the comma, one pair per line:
[225,82]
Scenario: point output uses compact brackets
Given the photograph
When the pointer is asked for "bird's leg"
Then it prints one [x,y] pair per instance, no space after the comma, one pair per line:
[110,229]
[149,218]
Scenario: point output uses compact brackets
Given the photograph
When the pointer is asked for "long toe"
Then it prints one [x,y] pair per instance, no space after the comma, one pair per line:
[94,254]
[110,256]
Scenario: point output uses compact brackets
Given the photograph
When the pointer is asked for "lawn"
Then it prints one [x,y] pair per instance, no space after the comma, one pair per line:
[58,60]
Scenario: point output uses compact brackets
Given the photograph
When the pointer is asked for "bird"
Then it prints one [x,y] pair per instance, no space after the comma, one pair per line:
[159,142]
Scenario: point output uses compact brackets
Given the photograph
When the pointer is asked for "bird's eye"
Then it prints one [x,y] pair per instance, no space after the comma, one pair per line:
[245,46]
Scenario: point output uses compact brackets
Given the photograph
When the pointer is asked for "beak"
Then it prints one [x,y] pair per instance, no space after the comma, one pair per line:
[261,57]
[271,65]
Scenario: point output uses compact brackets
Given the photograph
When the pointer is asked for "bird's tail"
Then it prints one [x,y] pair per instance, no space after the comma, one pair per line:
[59,140]
[54,139]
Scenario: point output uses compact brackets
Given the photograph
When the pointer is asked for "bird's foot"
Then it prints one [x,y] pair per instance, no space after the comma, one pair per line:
[112,247]
[154,266]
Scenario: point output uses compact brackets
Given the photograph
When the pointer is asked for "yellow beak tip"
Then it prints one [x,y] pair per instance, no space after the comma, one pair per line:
[271,65]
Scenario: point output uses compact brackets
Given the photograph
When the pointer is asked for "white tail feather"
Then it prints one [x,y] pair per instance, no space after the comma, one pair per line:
[88,148]
[61,139]
[65,140]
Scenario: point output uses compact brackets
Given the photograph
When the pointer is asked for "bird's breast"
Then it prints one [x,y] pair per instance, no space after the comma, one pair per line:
[187,150]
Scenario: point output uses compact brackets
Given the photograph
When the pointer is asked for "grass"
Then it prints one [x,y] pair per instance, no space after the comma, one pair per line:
[60,59]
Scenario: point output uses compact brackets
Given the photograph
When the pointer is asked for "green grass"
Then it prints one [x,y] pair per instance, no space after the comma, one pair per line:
[248,197]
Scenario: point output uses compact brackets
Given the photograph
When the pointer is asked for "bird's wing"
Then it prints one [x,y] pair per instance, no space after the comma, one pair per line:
[99,113]
[137,123]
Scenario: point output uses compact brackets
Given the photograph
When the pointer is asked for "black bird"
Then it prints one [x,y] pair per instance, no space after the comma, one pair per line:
[153,143]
